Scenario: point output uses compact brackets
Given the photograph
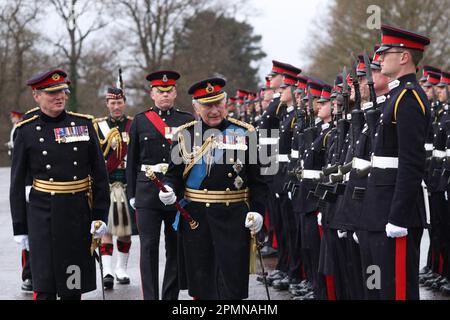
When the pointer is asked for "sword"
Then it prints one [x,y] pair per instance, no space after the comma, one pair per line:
[94,245]
[186,216]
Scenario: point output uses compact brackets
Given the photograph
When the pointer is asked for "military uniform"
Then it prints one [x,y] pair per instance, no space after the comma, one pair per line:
[70,190]
[218,197]
[150,147]
[394,194]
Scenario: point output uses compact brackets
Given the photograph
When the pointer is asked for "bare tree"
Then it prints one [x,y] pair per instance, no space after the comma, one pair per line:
[152,24]
[72,12]
[17,18]
[345,30]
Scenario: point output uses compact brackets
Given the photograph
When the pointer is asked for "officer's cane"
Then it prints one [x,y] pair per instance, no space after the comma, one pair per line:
[94,245]
[258,246]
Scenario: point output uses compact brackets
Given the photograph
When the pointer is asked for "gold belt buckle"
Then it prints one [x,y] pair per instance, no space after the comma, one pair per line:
[163,168]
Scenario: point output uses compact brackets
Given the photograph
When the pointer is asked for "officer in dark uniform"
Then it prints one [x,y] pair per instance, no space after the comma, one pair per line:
[114,139]
[219,174]
[393,210]
[150,143]
[280,180]
[269,144]
[61,153]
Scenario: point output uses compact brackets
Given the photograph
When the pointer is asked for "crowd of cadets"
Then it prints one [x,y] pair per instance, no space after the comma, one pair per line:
[316,217]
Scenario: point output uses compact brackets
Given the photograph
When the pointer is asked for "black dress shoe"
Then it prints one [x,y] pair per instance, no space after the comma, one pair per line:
[260,277]
[430,282]
[445,289]
[108,281]
[275,276]
[27,285]
[268,251]
[282,284]
[428,276]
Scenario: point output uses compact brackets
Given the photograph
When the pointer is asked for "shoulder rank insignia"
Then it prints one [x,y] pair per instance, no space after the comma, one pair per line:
[99,119]
[32,110]
[80,115]
[245,125]
[27,121]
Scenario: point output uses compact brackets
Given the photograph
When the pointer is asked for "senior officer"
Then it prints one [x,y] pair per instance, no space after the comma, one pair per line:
[150,142]
[224,191]
[61,153]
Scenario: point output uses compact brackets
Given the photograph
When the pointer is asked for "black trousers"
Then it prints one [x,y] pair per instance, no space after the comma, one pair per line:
[149,225]
[282,253]
[398,263]
[290,232]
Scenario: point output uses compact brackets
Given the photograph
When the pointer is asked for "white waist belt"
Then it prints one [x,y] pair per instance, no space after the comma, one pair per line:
[160,167]
[360,164]
[347,176]
[384,162]
[282,158]
[268,141]
[439,153]
[311,174]
[294,154]
[428,147]
[447,152]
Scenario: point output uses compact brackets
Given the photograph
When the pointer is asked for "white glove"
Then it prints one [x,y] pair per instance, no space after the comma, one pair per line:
[355,237]
[277,196]
[132,203]
[290,195]
[254,221]
[342,234]
[23,241]
[319,218]
[393,231]
[27,193]
[100,232]
[168,197]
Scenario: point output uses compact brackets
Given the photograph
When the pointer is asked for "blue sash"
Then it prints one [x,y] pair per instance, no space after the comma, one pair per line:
[199,172]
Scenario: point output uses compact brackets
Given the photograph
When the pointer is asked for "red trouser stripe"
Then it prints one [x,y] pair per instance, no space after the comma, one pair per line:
[35,295]
[400,268]
[274,240]
[330,288]
[24,258]
[441,264]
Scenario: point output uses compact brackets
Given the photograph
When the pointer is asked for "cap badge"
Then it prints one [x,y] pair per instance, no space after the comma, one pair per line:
[56,77]
[209,88]
[165,79]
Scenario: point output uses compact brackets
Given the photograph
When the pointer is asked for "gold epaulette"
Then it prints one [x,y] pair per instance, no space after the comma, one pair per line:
[184,126]
[86,116]
[97,120]
[27,121]
[246,125]
[32,110]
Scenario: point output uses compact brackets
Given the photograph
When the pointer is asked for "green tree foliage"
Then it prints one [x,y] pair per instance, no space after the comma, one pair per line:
[211,44]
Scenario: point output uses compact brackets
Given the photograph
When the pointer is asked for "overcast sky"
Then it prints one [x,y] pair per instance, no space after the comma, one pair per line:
[284,26]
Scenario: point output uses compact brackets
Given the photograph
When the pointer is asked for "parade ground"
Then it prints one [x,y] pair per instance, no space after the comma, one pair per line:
[10,265]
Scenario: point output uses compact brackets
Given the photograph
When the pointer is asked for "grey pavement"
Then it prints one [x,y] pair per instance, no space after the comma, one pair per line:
[10,265]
